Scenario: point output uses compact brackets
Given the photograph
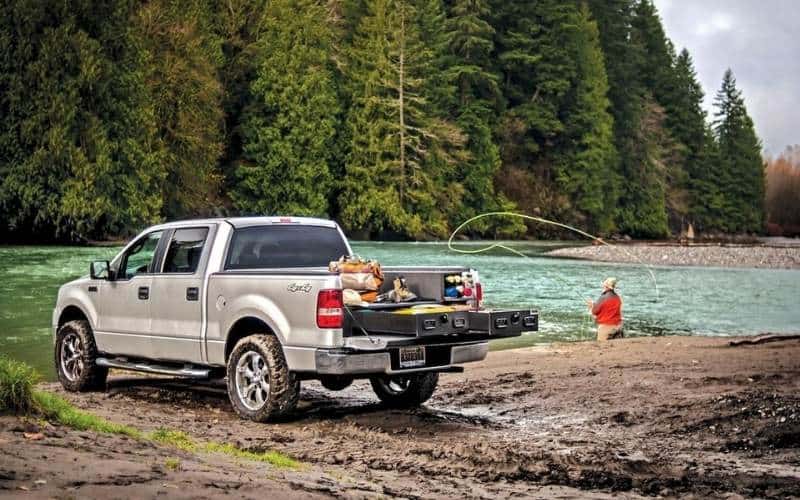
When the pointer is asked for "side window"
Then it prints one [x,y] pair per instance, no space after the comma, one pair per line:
[140,255]
[185,249]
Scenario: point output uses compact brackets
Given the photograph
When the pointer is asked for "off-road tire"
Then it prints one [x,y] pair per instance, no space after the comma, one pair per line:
[419,389]
[336,382]
[91,377]
[284,387]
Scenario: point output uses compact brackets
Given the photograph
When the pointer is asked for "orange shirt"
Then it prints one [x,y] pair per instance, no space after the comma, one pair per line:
[608,309]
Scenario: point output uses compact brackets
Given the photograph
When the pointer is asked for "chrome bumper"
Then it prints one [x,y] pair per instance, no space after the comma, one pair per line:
[330,362]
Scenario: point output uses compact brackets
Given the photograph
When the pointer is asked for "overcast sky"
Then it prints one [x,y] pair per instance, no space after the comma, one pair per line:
[760,41]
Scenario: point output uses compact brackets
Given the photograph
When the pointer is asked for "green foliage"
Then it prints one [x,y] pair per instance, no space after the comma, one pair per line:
[742,179]
[184,58]
[54,407]
[183,441]
[399,118]
[16,386]
[587,175]
[78,148]
[398,144]
[172,464]
[289,127]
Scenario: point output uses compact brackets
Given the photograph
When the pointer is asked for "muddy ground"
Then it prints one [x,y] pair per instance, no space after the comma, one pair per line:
[669,416]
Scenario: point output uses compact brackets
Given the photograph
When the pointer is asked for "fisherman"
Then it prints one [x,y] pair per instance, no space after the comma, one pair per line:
[607,312]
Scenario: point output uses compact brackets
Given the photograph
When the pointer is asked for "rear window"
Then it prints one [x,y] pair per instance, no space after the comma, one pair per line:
[284,246]
[185,249]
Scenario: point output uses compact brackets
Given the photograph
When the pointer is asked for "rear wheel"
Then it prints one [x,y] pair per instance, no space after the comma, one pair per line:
[260,385]
[405,391]
[75,356]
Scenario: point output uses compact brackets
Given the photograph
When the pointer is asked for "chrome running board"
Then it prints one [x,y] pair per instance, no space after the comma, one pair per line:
[185,371]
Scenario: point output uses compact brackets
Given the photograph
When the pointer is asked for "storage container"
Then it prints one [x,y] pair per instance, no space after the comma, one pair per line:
[504,323]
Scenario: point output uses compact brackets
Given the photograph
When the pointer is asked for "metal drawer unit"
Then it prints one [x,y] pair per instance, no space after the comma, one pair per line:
[504,323]
[419,325]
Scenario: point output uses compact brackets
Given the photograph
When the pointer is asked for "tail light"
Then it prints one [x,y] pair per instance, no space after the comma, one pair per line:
[330,309]
[478,294]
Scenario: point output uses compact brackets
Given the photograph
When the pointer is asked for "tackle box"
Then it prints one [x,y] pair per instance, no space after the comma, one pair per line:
[420,324]
[505,323]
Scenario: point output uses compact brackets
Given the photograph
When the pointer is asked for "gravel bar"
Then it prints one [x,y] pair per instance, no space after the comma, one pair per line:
[691,255]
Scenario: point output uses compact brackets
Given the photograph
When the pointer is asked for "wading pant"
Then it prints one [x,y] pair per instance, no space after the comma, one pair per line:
[608,332]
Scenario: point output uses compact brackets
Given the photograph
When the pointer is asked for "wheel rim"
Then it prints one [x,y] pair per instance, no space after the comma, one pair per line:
[252,381]
[396,385]
[72,364]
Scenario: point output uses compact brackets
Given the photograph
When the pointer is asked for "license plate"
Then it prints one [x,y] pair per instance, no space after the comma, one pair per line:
[412,357]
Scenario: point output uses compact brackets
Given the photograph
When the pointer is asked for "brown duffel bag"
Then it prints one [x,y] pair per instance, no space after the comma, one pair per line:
[358,274]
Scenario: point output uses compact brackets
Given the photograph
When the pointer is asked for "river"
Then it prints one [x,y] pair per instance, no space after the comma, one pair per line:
[683,300]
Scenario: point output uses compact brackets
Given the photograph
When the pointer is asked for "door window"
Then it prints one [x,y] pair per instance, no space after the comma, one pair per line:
[139,258]
[185,249]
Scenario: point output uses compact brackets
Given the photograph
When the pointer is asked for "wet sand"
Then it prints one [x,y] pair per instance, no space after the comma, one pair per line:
[668,416]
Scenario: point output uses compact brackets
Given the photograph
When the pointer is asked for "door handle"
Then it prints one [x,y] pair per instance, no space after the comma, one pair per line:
[192,293]
[144,292]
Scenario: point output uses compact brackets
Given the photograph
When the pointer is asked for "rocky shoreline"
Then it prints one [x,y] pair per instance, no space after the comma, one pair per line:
[754,256]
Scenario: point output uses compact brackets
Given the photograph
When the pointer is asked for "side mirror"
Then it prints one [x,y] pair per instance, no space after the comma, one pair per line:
[100,270]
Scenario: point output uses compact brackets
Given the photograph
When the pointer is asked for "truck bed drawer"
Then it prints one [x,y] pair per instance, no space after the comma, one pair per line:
[505,323]
[420,325]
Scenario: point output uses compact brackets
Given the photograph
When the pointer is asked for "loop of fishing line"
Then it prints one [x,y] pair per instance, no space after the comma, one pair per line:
[541,220]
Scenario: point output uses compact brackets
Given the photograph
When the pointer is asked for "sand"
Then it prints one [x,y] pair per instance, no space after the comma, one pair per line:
[667,416]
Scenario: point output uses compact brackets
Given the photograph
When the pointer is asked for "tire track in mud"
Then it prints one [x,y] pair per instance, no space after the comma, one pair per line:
[642,417]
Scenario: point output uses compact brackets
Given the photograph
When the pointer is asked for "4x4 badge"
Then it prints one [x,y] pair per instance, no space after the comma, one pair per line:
[299,287]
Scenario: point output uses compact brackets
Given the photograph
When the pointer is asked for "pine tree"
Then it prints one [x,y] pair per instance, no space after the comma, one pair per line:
[742,169]
[78,147]
[386,185]
[238,24]
[476,100]
[534,42]
[184,57]
[687,122]
[289,127]
[587,174]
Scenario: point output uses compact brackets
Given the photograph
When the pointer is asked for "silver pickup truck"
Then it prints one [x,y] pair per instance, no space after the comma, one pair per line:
[252,300]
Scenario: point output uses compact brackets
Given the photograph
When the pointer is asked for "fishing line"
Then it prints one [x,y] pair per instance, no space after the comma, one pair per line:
[492,246]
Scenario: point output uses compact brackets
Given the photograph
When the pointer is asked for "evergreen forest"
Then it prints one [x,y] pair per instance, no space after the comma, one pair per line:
[398,118]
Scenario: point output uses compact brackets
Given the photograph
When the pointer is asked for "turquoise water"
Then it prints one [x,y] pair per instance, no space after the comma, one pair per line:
[690,300]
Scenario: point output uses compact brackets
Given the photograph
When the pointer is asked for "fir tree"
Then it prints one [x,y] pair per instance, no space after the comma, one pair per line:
[687,121]
[588,174]
[476,100]
[742,179]
[386,185]
[78,151]
[538,72]
[289,127]
[184,57]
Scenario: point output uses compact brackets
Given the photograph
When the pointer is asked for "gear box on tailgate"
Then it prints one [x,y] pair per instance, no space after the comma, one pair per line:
[418,324]
[503,323]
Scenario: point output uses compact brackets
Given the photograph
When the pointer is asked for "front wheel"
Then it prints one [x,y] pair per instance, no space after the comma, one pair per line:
[405,391]
[75,355]
[260,385]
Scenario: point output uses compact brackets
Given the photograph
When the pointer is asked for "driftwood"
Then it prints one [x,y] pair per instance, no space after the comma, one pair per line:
[763,339]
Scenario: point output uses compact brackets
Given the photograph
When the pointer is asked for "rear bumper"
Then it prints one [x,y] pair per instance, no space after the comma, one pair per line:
[336,362]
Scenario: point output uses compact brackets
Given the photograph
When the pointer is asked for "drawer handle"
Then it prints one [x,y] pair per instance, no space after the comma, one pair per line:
[429,324]
[501,323]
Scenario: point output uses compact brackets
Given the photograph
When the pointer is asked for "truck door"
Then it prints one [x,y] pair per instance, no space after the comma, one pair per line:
[123,305]
[177,296]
